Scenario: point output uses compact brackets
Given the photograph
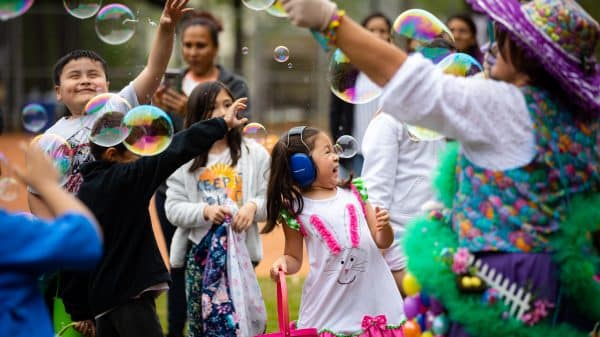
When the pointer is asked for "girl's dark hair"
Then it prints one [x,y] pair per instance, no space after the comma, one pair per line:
[525,63]
[283,192]
[200,107]
[374,16]
[466,18]
[205,19]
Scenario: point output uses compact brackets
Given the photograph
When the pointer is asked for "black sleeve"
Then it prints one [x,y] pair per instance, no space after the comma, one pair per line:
[73,289]
[147,173]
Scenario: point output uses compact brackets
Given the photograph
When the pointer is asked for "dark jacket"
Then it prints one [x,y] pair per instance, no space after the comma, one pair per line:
[119,194]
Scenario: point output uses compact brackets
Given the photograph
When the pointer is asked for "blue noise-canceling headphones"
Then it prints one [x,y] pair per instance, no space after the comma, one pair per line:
[303,169]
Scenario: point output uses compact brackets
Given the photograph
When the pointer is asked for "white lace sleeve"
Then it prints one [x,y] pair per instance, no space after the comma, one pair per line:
[489,118]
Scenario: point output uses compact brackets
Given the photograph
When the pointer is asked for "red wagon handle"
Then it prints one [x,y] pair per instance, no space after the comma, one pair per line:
[282,305]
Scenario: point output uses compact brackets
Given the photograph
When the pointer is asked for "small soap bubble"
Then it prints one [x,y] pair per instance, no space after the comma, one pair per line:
[346,146]
[245,50]
[290,65]
[342,80]
[281,54]
[34,117]
[258,5]
[82,9]
[13,8]
[59,152]
[150,130]
[255,131]
[277,10]
[115,24]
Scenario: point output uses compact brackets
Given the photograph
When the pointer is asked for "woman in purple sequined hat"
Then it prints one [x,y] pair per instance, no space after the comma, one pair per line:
[520,191]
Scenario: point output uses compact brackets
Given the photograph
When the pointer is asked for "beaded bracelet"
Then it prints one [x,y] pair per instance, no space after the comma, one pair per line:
[330,32]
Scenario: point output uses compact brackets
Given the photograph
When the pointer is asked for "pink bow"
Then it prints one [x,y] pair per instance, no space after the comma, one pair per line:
[374,325]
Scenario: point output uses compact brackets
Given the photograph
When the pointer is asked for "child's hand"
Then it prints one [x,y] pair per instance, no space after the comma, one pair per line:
[279,264]
[172,12]
[39,170]
[216,214]
[244,217]
[231,117]
[383,218]
[86,328]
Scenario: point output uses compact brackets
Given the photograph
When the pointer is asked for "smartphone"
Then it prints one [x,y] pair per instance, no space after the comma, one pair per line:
[172,79]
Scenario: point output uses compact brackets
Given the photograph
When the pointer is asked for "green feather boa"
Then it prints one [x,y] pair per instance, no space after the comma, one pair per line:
[426,237]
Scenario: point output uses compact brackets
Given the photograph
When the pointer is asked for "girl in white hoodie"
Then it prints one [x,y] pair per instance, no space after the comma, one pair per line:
[224,187]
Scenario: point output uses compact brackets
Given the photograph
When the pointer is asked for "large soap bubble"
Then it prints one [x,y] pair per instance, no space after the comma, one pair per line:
[342,80]
[115,24]
[150,130]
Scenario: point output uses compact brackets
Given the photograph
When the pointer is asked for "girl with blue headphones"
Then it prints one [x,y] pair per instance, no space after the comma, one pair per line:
[349,289]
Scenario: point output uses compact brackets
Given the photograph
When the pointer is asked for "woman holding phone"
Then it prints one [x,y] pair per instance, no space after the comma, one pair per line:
[199,34]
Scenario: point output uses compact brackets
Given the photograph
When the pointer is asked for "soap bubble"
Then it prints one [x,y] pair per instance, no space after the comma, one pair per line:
[346,146]
[58,150]
[34,117]
[258,5]
[82,9]
[150,130]
[115,24]
[342,80]
[255,131]
[106,102]
[417,27]
[12,8]
[245,50]
[277,10]
[281,54]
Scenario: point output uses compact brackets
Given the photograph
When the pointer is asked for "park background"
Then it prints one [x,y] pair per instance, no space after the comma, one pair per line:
[281,95]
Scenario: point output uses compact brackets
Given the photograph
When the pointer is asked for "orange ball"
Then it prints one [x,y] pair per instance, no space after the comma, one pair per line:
[411,329]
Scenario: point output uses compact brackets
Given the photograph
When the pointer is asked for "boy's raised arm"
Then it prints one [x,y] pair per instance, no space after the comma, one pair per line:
[148,80]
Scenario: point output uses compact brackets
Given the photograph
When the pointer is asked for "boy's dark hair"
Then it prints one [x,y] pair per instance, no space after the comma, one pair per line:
[200,107]
[205,19]
[74,55]
[97,150]
[283,192]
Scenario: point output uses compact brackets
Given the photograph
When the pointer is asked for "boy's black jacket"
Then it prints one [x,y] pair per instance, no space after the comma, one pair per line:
[119,195]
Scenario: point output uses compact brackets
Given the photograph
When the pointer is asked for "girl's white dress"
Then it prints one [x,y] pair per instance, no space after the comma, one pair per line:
[349,283]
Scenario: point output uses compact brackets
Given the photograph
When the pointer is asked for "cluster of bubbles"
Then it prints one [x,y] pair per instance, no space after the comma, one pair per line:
[13,8]
[114,24]
[9,188]
[144,130]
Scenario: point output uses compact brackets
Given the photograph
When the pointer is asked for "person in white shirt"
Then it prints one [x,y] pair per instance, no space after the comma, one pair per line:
[398,172]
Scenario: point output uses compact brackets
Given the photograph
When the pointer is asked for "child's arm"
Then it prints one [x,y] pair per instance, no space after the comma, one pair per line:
[148,80]
[379,224]
[291,261]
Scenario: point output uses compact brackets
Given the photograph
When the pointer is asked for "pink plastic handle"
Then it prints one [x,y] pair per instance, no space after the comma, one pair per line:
[282,305]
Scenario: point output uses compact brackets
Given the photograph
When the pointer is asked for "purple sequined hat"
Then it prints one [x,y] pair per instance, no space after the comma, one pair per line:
[561,35]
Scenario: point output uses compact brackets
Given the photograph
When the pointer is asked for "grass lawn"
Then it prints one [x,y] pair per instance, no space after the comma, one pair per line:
[269,291]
